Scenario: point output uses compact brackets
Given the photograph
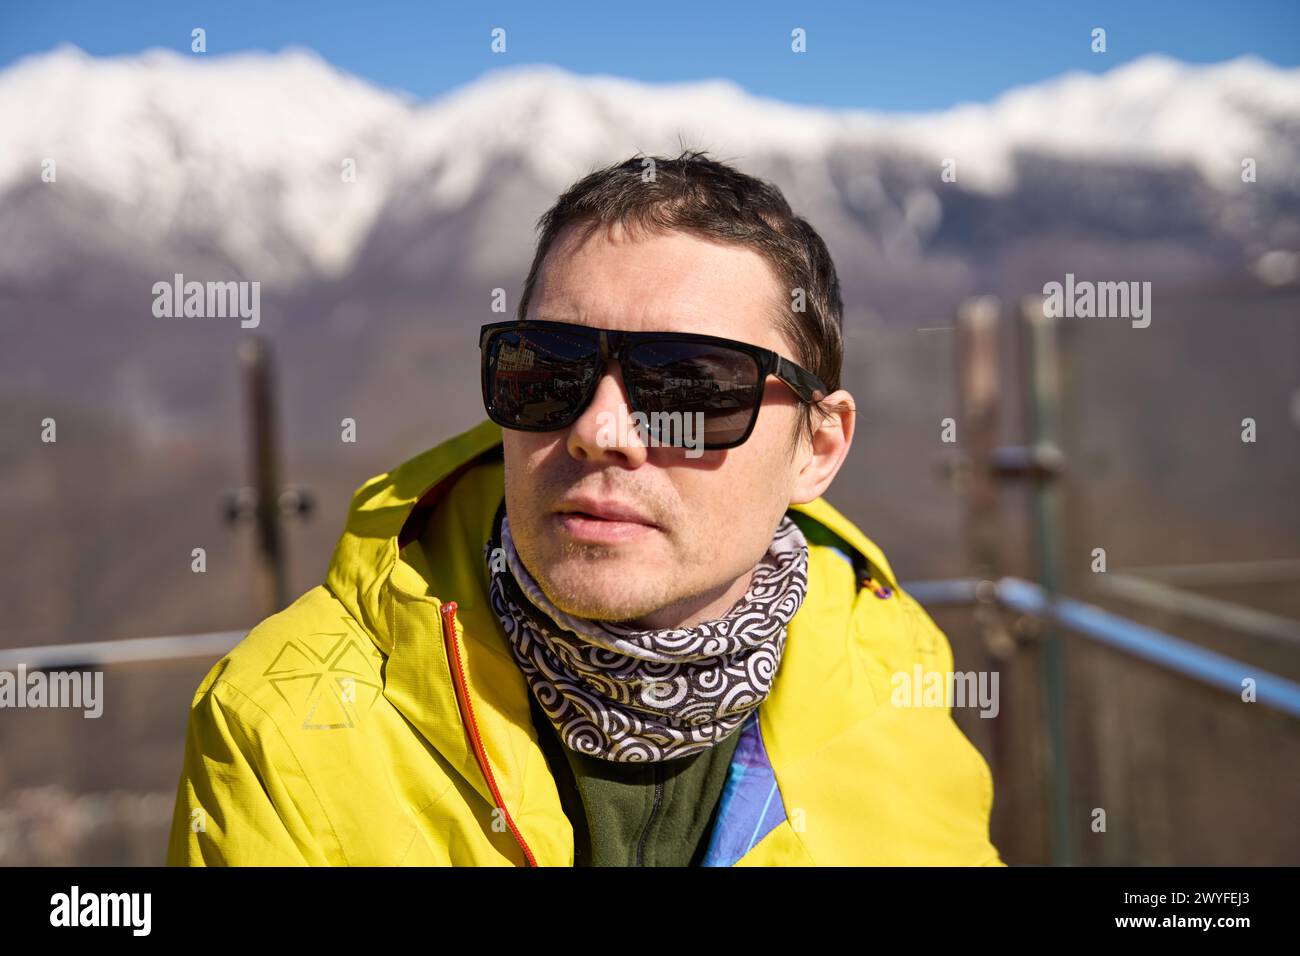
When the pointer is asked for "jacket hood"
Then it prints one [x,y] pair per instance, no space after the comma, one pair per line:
[369,553]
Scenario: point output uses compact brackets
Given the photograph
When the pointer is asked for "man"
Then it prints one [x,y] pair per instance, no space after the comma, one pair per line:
[616,623]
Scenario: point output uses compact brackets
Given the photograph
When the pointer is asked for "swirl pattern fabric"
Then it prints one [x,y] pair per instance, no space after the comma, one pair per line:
[635,695]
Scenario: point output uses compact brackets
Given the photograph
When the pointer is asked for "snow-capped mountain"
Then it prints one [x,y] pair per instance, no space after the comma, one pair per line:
[238,162]
[239,156]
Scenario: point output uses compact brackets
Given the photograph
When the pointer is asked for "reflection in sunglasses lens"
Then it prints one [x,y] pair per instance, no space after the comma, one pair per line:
[718,384]
[537,377]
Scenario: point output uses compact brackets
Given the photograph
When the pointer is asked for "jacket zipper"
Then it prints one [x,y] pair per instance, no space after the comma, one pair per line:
[654,810]
[448,612]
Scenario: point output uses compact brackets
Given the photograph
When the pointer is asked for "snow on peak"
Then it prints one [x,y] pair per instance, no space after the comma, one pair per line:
[251,146]
[251,152]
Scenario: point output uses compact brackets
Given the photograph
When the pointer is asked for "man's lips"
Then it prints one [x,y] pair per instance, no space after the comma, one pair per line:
[603,521]
[605,511]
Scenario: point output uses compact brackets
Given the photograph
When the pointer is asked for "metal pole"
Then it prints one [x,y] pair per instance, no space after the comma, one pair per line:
[979,388]
[1044,402]
[255,357]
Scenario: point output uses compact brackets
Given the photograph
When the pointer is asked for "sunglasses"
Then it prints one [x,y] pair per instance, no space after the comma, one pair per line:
[539,376]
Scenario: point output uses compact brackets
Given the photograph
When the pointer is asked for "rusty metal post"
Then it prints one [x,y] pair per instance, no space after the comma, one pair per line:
[979,384]
[1044,393]
[258,374]
[979,388]
[262,501]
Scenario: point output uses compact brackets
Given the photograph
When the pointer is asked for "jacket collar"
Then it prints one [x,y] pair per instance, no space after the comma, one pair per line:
[401,557]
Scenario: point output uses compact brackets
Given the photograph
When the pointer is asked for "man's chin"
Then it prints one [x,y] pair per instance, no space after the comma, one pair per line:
[617,592]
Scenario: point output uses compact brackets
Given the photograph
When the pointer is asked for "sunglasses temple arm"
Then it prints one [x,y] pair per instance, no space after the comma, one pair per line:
[807,385]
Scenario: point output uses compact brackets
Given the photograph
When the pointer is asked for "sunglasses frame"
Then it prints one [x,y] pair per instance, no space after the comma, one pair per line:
[616,343]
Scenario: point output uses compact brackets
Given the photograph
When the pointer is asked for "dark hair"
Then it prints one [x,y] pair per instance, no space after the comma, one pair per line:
[699,195]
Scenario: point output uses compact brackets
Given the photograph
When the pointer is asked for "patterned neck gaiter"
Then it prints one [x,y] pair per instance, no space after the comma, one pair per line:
[630,695]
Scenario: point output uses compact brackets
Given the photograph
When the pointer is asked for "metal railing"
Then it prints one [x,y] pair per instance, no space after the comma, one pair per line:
[1012,594]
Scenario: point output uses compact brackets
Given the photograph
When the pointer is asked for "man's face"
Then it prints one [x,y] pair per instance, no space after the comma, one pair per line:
[702,523]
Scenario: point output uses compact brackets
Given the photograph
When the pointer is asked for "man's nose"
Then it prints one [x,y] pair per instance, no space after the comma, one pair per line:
[605,431]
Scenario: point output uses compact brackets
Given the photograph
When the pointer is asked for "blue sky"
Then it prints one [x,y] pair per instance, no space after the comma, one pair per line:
[884,55]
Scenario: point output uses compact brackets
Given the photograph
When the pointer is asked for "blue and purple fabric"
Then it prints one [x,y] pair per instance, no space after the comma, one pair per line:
[750,806]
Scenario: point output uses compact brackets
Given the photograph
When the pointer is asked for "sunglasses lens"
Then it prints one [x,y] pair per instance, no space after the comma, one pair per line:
[717,387]
[537,379]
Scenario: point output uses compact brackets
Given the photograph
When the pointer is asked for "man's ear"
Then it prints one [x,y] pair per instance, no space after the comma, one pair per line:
[821,458]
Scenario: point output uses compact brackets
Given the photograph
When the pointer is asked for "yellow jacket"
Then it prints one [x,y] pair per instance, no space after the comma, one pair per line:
[381,719]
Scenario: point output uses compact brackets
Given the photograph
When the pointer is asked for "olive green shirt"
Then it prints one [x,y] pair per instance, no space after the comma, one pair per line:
[636,814]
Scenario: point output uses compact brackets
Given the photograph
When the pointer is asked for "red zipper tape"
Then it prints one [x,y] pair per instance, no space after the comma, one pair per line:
[467,714]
